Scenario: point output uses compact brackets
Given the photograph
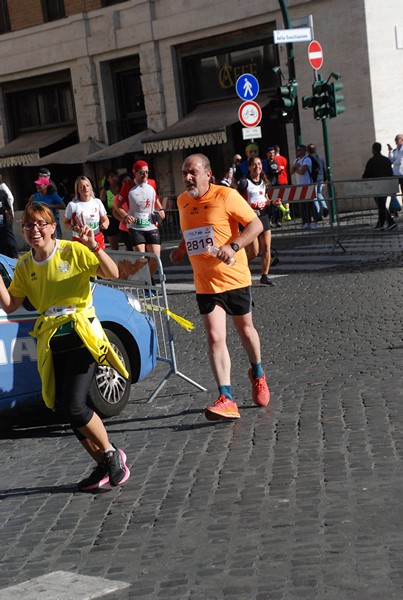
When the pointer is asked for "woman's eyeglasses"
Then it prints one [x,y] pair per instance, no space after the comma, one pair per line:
[39,224]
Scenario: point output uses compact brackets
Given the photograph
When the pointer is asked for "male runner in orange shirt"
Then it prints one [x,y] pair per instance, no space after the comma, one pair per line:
[209,216]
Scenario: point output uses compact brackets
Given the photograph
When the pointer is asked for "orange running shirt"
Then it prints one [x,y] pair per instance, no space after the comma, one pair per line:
[213,220]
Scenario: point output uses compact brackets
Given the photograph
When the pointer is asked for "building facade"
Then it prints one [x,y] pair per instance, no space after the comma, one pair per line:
[74,70]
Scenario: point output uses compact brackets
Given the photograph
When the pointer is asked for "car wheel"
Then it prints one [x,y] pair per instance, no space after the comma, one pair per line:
[109,391]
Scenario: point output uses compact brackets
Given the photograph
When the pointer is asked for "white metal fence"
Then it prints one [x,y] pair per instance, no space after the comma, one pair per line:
[134,277]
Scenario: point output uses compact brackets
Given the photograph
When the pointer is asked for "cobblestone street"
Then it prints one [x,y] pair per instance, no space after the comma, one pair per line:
[299,500]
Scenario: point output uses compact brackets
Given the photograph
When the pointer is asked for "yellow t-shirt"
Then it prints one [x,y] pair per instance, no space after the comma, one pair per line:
[61,280]
[213,220]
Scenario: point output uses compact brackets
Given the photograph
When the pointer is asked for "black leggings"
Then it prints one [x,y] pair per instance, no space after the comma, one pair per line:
[74,371]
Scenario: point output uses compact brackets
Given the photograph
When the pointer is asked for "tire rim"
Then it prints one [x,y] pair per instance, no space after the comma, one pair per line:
[111,385]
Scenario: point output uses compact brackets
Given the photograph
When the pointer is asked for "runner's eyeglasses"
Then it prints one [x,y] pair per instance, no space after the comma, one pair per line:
[39,224]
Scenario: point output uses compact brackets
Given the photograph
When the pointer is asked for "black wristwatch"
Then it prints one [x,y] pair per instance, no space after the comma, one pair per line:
[234,246]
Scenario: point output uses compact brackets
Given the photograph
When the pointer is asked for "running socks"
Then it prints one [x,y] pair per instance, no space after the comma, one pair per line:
[225,390]
[257,370]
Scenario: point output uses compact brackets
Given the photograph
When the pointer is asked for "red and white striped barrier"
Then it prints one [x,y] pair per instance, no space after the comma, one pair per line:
[293,192]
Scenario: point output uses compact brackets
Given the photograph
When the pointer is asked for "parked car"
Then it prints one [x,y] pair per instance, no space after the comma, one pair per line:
[131,333]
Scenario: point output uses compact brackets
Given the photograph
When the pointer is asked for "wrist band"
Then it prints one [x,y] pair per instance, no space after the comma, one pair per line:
[96,249]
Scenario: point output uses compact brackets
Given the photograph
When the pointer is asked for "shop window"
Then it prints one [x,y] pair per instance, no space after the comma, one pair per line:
[130,115]
[130,94]
[41,107]
[53,10]
[4,17]
[210,75]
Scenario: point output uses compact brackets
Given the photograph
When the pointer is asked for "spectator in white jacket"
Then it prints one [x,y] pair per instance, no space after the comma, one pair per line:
[11,239]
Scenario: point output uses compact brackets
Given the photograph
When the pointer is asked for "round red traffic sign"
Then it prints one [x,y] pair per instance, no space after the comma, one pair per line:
[315,55]
[250,113]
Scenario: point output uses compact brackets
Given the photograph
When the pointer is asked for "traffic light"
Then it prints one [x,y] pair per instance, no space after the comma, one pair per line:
[308,102]
[321,91]
[282,106]
[335,98]
[325,98]
[320,99]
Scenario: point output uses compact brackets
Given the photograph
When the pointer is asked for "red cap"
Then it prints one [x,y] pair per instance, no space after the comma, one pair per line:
[140,164]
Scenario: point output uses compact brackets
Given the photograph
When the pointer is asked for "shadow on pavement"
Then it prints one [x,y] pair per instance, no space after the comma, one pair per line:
[46,489]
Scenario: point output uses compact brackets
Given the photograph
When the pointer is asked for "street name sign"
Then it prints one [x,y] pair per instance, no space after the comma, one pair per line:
[289,36]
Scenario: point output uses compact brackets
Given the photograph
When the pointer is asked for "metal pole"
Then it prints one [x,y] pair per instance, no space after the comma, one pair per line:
[331,191]
[291,74]
[329,170]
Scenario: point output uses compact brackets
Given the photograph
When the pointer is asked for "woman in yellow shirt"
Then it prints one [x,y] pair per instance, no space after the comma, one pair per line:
[55,276]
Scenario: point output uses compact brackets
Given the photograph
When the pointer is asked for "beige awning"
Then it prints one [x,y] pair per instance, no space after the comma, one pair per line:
[76,154]
[204,126]
[26,147]
[129,145]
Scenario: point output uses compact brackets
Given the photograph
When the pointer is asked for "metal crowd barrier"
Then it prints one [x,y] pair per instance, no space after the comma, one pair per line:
[169,227]
[134,277]
[352,210]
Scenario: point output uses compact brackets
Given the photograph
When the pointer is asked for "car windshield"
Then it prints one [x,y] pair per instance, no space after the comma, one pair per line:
[5,276]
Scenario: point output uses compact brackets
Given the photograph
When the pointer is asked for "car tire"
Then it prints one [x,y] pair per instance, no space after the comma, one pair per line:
[109,391]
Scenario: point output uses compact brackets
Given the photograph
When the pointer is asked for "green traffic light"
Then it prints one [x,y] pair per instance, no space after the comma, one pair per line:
[321,91]
[288,103]
[307,102]
[282,105]
[325,99]
[319,88]
[283,91]
[335,99]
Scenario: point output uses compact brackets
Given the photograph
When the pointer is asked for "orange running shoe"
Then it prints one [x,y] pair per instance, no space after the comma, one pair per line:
[260,391]
[222,409]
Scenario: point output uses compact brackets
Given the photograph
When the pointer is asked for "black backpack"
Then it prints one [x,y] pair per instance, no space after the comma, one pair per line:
[315,169]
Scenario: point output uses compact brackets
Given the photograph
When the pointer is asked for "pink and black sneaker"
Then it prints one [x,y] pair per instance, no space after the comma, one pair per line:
[117,469]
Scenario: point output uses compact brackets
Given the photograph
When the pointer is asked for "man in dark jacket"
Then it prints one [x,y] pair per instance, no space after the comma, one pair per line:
[380,166]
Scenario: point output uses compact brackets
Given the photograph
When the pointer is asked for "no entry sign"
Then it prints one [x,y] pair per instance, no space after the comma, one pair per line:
[315,55]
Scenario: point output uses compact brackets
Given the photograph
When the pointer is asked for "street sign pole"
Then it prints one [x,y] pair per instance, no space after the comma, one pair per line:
[315,57]
[330,185]
[291,73]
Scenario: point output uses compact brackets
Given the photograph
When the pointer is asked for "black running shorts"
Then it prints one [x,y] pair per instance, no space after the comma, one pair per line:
[265,221]
[138,237]
[235,302]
